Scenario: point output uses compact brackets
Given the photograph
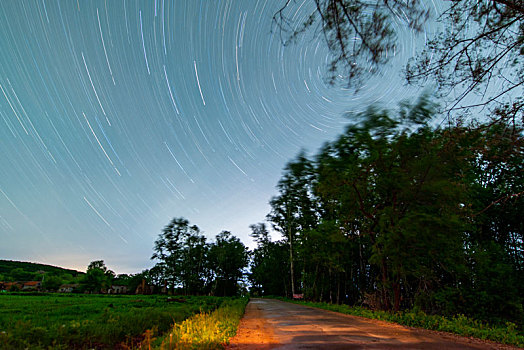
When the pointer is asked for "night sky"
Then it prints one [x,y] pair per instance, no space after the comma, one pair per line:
[116,116]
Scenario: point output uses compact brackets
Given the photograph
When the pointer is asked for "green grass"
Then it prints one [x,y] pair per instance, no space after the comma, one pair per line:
[459,324]
[72,321]
[207,330]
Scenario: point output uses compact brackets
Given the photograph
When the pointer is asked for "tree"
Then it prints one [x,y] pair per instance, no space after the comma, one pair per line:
[181,251]
[19,274]
[326,249]
[479,51]
[260,233]
[386,184]
[293,212]
[268,262]
[227,259]
[98,277]
[122,279]
[52,283]
[495,236]
[398,214]
[194,270]
[135,280]
[168,249]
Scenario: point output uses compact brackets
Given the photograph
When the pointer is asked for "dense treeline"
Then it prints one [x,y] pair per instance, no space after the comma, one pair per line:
[188,264]
[399,214]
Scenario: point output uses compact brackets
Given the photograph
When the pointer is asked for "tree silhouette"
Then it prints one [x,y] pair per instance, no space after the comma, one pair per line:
[227,258]
[98,277]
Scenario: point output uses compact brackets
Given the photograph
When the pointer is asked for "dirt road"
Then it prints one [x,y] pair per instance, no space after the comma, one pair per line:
[273,324]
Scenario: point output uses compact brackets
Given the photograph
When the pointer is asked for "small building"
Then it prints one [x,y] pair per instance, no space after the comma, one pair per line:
[31,286]
[115,289]
[67,288]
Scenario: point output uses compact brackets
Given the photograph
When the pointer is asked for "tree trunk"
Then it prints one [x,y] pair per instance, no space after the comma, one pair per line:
[291,265]
[322,289]
[338,288]
[396,290]
[361,263]
[385,299]
[330,289]
[315,283]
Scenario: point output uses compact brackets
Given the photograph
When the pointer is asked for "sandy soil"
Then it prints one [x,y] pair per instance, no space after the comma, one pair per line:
[272,324]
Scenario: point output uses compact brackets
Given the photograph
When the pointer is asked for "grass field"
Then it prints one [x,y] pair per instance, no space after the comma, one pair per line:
[81,321]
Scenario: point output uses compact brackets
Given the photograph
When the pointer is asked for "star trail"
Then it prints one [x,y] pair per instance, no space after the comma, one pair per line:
[117,116]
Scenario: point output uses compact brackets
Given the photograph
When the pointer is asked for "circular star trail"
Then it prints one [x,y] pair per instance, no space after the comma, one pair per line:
[116,116]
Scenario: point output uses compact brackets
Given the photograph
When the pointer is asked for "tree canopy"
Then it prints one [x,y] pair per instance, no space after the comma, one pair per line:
[189,264]
[98,277]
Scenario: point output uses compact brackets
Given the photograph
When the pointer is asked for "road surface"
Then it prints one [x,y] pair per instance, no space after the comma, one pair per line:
[273,324]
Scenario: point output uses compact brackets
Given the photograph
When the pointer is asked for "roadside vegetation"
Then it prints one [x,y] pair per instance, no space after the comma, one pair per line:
[459,324]
[65,321]
[207,330]
[417,207]
[397,214]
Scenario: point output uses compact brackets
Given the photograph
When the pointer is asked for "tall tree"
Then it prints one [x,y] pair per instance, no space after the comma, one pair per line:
[181,249]
[227,259]
[495,236]
[396,213]
[194,273]
[293,210]
[268,262]
[98,277]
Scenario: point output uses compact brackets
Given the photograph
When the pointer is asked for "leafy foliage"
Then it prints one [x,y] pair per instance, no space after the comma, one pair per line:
[226,259]
[396,214]
[269,264]
[6,266]
[97,278]
[187,262]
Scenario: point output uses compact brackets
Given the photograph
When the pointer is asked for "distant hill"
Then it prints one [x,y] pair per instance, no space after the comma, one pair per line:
[6,266]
